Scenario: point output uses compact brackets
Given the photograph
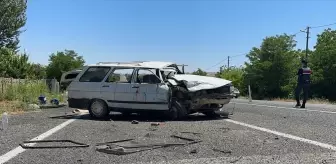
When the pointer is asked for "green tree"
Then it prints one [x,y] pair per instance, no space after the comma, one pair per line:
[323,65]
[199,72]
[61,62]
[234,74]
[12,19]
[13,65]
[272,67]
[37,71]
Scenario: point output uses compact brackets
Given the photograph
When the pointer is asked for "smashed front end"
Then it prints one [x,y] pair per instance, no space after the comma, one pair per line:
[210,98]
[200,93]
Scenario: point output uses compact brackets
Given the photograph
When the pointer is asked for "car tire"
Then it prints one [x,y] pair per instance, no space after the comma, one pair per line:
[98,109]
[177,111]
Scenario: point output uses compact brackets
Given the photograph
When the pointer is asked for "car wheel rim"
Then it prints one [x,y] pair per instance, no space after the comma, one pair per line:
[97,108]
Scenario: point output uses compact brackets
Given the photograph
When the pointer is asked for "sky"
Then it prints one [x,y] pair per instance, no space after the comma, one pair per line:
[198,33]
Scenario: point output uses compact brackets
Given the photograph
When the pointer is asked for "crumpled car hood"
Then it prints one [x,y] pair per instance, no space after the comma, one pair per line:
[196,82]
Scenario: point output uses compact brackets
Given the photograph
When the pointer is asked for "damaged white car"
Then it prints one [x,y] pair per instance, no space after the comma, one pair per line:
[134,87]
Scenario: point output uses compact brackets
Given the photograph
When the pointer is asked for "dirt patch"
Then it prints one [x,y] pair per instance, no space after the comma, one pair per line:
[12,107]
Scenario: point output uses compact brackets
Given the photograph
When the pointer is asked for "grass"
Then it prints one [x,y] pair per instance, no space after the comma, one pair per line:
[17,96]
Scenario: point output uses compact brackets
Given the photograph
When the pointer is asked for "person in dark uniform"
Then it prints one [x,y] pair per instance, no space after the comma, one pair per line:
[303,83]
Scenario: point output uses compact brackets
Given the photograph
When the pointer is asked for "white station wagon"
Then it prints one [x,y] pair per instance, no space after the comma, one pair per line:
[134,87]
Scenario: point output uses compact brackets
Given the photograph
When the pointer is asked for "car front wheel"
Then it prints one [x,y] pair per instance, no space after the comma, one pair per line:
[177,111]
[98,109]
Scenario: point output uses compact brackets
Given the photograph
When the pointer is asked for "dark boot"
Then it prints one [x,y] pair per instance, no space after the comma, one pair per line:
[297,104]
[303,106]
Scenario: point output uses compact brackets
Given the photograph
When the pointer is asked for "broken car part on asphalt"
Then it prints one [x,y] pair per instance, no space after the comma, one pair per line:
[124,150]
[67,116]
[52,147]
[222,151]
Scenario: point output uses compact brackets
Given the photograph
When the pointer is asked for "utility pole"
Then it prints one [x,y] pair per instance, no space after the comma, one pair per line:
[228,62]
[307,43]
[307,40]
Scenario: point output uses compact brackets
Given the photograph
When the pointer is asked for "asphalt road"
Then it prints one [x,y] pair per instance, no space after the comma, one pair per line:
[257,132]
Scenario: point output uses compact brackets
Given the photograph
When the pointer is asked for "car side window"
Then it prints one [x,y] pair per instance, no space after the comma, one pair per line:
[120,75]
[94,74]
[71,76]
[148,76]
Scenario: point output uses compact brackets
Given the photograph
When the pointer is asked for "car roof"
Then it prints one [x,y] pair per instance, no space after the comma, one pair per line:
[139,64]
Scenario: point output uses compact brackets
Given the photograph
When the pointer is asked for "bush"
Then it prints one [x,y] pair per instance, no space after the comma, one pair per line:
[28,92]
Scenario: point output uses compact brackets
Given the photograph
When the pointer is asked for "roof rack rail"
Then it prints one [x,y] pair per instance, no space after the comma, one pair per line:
[121,62]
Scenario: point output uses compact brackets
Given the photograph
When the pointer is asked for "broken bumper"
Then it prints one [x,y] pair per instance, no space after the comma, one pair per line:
[201,102]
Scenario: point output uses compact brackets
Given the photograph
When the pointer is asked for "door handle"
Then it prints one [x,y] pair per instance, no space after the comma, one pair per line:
[106,86]
[135,86]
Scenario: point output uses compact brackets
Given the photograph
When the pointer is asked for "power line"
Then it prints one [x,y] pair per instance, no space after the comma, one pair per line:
[297,33]
[238,55]
[216,64]
[227,58]
[323,25]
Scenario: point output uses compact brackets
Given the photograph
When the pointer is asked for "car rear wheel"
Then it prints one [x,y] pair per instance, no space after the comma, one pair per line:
[98,109]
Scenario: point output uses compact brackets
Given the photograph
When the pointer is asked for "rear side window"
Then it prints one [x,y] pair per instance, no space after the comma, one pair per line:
[120,75]
[71,76]
[94,74]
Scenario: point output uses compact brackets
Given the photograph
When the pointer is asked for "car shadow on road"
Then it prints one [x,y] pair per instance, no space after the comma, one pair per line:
[154,117]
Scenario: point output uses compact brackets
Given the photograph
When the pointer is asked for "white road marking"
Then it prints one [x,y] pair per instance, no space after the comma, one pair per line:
[316,143]
[302,109]
[11,154]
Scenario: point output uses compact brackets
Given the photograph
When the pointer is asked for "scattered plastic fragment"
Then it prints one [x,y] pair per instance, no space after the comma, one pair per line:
[222,151]
[78,144]
[135,122]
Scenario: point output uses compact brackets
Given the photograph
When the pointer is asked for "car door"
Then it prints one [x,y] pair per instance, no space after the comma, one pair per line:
[150,92]
[116,88]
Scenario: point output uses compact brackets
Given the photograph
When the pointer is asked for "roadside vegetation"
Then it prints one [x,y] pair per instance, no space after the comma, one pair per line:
[271,69]
[15,97]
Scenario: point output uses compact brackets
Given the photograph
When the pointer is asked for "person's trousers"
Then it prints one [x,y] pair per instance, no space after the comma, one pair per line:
[299,88]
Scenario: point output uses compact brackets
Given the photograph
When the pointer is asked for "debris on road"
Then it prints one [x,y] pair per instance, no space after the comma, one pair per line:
[183,138]
[78,144]
[80,111]
[192,132]
[42,99]
[114,148]
[193,151]
[222,151]
[156,124]
[54,101]
[236,160]
[68,116]
[135,122]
